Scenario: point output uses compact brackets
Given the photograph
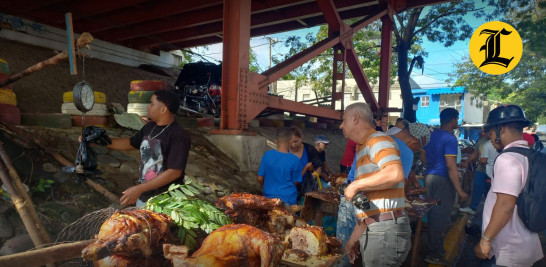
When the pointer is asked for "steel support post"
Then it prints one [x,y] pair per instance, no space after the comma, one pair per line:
[236,34]
[385,65]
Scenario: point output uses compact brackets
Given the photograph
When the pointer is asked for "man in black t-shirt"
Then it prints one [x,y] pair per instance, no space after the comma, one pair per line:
[321,143]
[164,148]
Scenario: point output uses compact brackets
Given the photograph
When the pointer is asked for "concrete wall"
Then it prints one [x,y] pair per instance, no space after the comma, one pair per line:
[33,33]
[246,151]
[473,109]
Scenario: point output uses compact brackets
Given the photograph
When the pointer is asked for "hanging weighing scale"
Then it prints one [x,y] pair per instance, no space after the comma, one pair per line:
[84,100]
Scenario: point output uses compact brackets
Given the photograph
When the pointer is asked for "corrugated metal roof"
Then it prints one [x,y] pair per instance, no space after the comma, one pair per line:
[440,91]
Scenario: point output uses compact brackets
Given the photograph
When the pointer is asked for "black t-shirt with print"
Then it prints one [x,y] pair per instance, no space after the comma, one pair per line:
[161,148]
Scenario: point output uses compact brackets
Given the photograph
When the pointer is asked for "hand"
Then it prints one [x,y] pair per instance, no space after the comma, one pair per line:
[352,250]
[482,251]
[308,166]
[349,193]
[464,164]
[463,195]
[130,196]
[80,139]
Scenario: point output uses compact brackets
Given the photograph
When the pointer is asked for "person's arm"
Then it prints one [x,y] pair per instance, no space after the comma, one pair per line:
[471,158]
[131,195]
[121,144]
[485,152]
[500,216]
[307,167]
[453,172]
[483,161]
[386,178]
[261,180]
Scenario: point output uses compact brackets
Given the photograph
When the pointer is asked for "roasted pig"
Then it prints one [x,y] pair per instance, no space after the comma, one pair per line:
[238,201]
[230,245]
[310,239]
[129,233]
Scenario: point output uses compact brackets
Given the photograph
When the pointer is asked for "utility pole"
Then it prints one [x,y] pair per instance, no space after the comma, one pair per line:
[272,41]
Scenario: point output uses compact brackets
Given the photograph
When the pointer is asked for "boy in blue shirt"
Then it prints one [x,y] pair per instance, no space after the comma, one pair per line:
[279,170]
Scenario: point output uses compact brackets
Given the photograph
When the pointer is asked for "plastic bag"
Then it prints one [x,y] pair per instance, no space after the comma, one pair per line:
[86,161]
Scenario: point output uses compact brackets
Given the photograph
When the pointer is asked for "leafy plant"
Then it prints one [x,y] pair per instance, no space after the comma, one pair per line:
[43,185]
[191,214]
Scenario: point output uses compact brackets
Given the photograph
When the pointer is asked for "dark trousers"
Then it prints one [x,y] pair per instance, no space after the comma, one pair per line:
[439,216]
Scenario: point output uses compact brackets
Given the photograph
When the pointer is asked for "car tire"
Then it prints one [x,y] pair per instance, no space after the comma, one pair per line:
[7,96]
[138,108]
[100,97]
[10,114]
[4,67]
[4,77]
[148,85]
[140,96]
[98,110]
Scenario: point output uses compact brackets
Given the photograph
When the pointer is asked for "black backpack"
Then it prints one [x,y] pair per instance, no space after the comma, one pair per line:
[532,199]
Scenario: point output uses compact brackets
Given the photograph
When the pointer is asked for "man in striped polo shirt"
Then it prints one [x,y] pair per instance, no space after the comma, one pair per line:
[379,173]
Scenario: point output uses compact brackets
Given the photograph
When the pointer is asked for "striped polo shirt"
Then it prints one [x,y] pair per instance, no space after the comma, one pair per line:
[374,152]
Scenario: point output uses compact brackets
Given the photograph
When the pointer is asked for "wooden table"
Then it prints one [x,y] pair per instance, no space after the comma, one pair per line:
[319,203]
[419,207]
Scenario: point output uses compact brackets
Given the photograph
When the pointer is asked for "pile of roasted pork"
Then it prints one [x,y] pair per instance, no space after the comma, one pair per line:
[264,232]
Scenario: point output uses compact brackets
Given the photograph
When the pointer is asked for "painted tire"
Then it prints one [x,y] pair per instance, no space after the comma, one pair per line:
[98,110]
[140,96]
[100,121]
[10,114]
[138,108]
[55,120]
[4,77]
[4,67]
[7,96]
[100,97]
[148,85]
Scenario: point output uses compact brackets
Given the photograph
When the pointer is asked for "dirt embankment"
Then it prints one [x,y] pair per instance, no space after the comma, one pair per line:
[41,92]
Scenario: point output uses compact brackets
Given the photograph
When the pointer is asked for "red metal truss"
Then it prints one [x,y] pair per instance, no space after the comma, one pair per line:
[385,62]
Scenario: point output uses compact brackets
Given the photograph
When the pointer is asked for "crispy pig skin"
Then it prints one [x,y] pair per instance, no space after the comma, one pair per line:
[231,245]
[129,233]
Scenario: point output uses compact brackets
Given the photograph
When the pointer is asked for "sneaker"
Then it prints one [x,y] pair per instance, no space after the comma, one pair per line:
[436,260]
[467,210]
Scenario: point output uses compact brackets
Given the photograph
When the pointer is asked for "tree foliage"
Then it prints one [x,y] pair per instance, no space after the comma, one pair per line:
[525,85]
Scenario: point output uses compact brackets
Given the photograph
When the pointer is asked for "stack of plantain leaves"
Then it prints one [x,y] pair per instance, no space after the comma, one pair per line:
[192,215]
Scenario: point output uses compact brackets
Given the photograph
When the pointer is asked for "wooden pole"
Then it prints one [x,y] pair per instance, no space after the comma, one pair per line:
[22,208]
[44,236]
[47,255]
[71,50]
[84,40]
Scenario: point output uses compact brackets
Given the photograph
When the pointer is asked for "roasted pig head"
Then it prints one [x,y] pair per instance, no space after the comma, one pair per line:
[230,245]
[129,233]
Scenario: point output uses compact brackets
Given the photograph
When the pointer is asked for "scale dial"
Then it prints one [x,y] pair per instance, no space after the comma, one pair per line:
[84,97]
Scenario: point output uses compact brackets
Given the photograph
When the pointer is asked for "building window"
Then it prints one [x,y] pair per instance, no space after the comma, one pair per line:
[425,101]
[451,101]
[306,96]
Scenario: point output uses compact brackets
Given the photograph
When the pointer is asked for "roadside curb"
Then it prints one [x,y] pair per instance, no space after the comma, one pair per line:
[454,238]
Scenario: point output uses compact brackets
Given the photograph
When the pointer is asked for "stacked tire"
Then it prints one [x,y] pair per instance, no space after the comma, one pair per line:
[9,112]
[97,116]
[141,94]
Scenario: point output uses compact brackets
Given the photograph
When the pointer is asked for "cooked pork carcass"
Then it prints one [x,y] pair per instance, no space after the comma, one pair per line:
[125,261]
[238,201]
[310,239]
[129,233]
[280,221]
[230,245]
[338,179]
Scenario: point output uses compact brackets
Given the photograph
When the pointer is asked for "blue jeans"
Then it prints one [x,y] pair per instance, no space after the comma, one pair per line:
[479,189]
[346,221]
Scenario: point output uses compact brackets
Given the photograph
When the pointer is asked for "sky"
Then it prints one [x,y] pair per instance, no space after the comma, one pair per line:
[439,63]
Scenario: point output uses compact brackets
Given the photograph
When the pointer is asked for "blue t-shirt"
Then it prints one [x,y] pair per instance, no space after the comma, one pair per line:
[406,156]
[280,172]
[442,143]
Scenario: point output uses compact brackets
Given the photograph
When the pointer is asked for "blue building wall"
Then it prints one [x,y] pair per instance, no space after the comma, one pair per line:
[431,115]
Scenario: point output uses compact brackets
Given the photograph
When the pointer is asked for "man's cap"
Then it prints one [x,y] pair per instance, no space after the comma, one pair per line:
[394,130]
[529,138]
[321,139]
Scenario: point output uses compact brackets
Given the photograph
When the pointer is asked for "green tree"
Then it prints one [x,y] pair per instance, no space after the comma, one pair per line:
[254,67]
[525,85]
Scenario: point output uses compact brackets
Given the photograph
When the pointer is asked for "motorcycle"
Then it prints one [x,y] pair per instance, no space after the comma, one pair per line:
[203,99]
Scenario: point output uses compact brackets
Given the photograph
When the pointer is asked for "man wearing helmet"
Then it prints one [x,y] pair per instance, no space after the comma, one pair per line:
[505,237]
